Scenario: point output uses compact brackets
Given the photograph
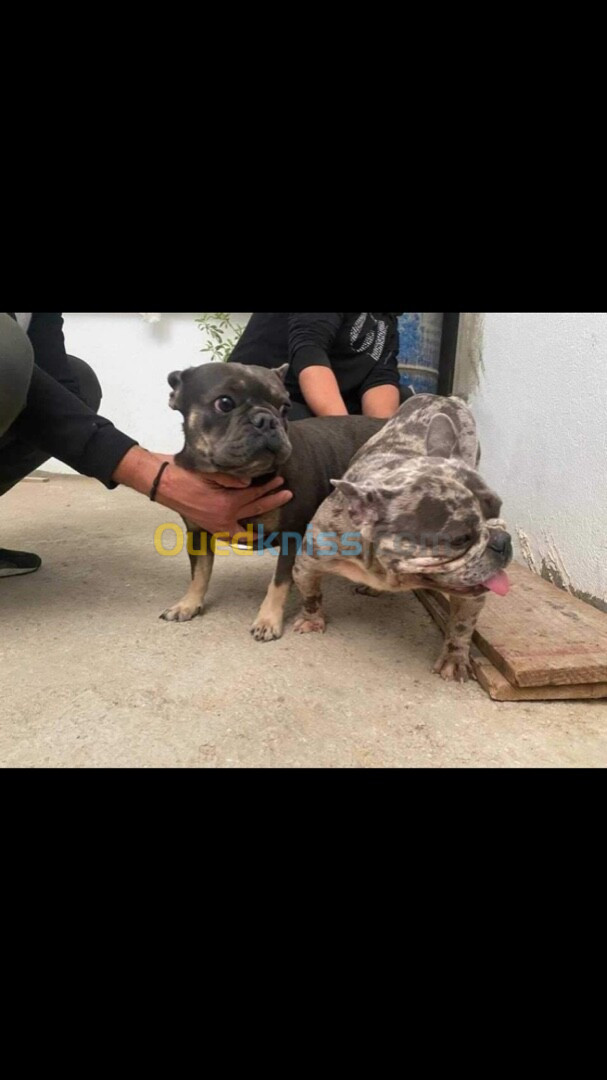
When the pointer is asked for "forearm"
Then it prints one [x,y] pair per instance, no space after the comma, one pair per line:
[312,336]
[137,470]
[321,392]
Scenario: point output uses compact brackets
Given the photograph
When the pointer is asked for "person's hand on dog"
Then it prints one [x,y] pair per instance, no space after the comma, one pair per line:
[216,503]
[219,503]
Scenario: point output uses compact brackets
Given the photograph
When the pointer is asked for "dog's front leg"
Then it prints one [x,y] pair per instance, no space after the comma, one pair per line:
[202,557]
[268,625]
[307,575]
[454,661]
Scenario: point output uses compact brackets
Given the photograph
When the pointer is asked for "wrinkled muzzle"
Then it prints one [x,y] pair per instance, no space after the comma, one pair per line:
[481,566]
[254,444]
[270,429]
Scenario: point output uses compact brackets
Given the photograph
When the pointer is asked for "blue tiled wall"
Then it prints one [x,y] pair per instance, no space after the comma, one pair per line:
[420,338]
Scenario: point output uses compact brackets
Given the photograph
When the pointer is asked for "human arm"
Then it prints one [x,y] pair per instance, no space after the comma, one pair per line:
[216,503]
[311,337]
[60,424]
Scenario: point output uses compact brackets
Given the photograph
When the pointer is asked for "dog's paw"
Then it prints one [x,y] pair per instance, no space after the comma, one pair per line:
[310,624]
[181,612]
[266,629]
[454,667]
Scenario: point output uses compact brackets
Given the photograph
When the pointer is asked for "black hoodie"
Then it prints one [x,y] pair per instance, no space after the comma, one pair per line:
[351,343]
[55,420]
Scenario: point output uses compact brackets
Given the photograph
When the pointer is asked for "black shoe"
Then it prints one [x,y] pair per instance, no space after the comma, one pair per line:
[15,563]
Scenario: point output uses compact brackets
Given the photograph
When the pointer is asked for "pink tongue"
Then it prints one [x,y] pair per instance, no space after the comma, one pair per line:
[499,583]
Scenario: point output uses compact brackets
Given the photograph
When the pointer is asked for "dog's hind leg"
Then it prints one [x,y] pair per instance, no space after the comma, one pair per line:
[268,625]
[202,567]
[308,577]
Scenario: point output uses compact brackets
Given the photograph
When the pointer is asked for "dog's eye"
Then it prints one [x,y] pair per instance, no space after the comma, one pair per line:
[462,541]
[225,405]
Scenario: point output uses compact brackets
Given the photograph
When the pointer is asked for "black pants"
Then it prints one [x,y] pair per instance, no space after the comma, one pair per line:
[19,458]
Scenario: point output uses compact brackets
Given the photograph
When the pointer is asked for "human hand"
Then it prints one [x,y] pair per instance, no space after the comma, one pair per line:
[216,503]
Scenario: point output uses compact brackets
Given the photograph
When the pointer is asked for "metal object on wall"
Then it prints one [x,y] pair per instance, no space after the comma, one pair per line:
[420,350]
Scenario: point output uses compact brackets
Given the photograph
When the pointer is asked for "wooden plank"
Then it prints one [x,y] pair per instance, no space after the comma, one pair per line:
[497,685]
[499,689]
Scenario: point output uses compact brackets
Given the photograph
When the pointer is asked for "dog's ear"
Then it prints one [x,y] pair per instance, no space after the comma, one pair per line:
[442,440]
[281,372]
[175,381]
[364,504]
[491,504]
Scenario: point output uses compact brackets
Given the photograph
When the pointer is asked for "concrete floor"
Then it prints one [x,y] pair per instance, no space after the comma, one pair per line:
[92,678]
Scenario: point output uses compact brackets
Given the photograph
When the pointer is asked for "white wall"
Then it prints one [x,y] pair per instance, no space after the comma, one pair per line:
[539,392]
[132,360]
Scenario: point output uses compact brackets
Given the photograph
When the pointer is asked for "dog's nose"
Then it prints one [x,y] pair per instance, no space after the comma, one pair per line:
[501,542]
[265,422]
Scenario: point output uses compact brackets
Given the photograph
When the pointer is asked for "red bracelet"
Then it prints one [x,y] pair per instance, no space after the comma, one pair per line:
[156,484]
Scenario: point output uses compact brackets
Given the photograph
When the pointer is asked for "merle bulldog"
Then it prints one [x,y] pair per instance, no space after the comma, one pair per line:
[236,422]
[425,520]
